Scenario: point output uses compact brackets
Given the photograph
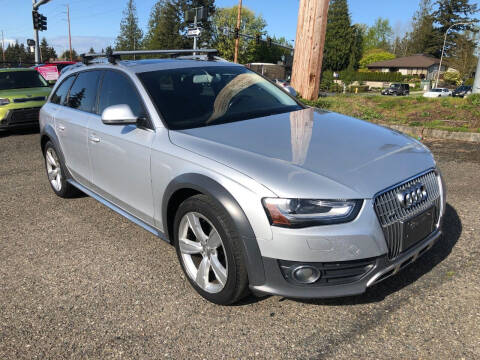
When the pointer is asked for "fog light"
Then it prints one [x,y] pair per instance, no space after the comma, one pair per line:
[306,274]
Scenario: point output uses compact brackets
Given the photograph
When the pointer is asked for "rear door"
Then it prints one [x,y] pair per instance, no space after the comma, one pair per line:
[72,124]
[120,154]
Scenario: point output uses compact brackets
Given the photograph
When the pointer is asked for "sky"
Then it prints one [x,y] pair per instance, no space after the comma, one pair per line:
[95,23]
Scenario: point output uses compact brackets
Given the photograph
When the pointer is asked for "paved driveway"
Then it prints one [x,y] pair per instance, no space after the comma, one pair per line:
[78,281]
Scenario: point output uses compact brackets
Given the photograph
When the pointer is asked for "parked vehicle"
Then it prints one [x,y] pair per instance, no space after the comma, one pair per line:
[462,91]
[22,93]
[397,90]
[438,92]
[284,84]
[255,190]
[51,70]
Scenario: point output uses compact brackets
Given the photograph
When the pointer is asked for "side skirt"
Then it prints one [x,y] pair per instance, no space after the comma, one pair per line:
[120,211]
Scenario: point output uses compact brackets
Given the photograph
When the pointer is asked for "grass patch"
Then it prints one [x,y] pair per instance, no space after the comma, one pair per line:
[451,114]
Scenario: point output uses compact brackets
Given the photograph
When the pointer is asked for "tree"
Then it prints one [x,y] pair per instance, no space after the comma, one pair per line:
[165,25]
[375,55]
[130,37]
[48,52]
[251,25]
[339,37]
[463,58]
[91,51]
[379,36]
[18,54]
[421,40]
[66,55]
[447,13]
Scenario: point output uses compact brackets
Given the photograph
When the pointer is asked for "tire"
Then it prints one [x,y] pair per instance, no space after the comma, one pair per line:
[56,173]
[219,275]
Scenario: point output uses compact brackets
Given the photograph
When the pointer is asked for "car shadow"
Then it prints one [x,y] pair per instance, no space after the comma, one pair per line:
[452,229]
[19,132]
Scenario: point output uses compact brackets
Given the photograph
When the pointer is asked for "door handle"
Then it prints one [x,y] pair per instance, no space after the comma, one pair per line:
[94,139]
[61,127]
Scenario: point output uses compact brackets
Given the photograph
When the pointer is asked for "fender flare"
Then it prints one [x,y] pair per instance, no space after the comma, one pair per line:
[49,132]
[207,186]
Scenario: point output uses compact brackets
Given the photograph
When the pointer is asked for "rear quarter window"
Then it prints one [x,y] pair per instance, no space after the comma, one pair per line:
[60,95]
[83,94]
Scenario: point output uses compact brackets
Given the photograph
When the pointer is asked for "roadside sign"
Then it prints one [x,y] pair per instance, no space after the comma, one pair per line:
[194,32]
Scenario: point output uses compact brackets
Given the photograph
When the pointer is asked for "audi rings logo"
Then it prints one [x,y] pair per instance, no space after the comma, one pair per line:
[412,196]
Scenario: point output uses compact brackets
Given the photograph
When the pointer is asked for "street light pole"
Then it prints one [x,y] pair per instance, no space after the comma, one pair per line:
[443,49]
[35,6]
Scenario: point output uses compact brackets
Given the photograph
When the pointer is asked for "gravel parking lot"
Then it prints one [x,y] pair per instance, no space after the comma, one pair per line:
[77,280]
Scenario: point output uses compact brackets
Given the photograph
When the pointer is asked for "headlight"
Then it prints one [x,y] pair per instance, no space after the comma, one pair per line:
[297,213]
[4,101]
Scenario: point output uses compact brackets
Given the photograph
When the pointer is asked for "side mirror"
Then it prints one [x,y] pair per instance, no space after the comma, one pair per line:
[118,115]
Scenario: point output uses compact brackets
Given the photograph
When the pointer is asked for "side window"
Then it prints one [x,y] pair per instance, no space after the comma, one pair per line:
[83,93]
[60,95]
[118,89]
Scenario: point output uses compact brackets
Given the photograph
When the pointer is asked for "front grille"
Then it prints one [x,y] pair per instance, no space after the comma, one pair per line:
[331,273]
[23,116]
[392,215]
[23,100]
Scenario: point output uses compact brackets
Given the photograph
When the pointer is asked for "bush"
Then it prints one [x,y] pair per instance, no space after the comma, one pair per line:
[474,99]
[375,55]
[373,76]
[469,82]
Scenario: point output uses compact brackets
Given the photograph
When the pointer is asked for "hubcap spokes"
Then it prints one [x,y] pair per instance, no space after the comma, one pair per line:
[53,169]
[203,255]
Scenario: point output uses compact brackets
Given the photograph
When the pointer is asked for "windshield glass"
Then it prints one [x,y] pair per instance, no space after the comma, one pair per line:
[203,96]
[436,90]
[20,80]
[394,86]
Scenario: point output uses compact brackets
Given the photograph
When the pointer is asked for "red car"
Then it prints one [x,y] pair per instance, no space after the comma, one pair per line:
[51,70]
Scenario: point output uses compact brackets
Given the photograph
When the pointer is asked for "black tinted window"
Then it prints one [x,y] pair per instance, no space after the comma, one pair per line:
[21,80]
[60,95]
[117,89]
[84,91]
[202,96]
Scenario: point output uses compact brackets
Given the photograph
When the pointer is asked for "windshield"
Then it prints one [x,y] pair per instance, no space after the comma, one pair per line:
[394,86]
[203,96]
[436,90]
[21,79]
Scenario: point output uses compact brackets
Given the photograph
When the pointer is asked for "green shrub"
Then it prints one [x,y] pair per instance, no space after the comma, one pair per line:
[474,99]
[469,82]
[373,76]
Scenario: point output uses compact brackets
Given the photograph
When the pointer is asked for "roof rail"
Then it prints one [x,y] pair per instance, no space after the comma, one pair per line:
[113,56]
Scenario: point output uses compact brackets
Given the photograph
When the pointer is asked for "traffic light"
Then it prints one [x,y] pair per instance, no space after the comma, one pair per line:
[236,33]
[39,21]
[257,38]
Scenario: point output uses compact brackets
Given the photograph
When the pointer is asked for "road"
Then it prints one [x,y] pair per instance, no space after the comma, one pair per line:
[79,281]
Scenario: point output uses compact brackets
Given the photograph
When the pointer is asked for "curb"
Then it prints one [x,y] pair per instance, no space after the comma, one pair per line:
[423,133]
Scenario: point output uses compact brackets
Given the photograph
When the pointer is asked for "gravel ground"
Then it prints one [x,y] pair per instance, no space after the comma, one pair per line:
[79,281]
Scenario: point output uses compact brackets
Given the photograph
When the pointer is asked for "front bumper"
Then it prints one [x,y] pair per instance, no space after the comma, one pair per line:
[277,284]
[20,118]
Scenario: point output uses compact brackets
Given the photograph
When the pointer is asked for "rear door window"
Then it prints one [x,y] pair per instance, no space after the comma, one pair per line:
[83,94]
[61,93]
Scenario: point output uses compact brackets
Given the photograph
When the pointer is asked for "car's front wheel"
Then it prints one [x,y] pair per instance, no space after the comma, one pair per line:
[208,247]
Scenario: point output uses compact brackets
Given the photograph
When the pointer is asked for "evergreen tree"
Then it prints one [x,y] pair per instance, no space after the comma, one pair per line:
[48,52]
[18,54]
[421,38]
[447,13]
[66,55]
[91,51]
[130,37]
[339,37]
[165,26]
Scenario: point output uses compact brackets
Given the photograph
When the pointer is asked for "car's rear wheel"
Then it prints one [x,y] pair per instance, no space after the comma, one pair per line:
[209,250]
[56,173]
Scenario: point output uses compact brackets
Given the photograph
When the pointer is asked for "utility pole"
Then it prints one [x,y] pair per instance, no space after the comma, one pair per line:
[476,83]
[69,33]
[237,39]
[195,37]
[309,44]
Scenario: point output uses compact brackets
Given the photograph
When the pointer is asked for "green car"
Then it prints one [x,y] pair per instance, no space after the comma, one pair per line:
[22,94]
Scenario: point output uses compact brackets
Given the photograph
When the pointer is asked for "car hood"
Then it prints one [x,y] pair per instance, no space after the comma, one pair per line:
[311,153]
[25,93]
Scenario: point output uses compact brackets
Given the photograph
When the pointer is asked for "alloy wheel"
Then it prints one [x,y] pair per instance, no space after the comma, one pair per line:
[53,169]
[202,252]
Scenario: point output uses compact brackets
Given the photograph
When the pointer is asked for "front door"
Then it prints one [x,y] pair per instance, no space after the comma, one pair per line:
[120,154]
